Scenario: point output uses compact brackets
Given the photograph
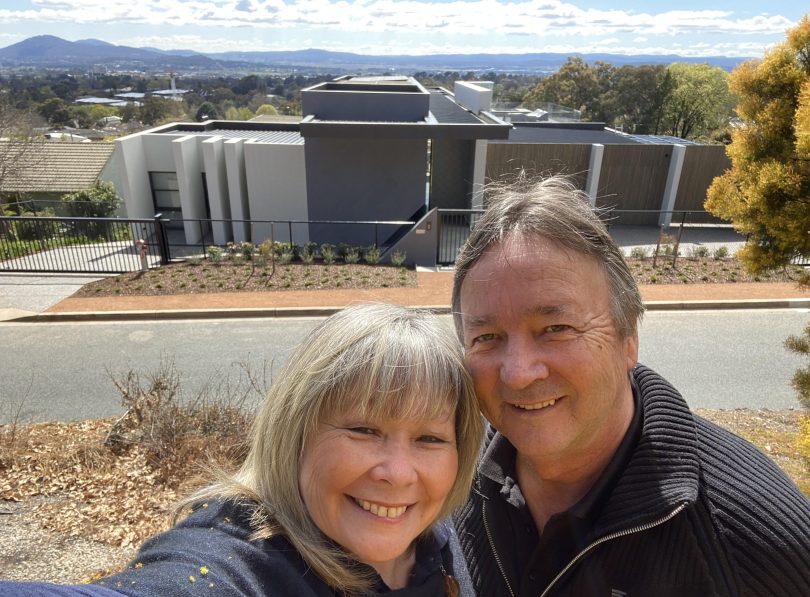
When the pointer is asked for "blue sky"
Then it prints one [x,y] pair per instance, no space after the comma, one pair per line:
[686,27]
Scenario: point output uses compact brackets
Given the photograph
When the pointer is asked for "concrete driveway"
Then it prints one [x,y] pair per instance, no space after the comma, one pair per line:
[24,294]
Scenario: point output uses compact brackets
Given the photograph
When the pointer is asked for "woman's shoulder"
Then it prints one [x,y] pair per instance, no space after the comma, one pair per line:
[214,548]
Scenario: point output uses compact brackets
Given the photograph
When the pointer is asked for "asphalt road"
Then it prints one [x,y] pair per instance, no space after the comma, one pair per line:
[62,371]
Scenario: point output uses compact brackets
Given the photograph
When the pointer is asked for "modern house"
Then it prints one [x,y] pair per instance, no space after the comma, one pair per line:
[388,149]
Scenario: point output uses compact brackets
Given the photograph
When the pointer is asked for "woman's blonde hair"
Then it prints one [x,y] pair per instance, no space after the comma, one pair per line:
[383,360]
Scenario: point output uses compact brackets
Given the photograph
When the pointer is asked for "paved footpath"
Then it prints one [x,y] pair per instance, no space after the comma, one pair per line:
[433,291]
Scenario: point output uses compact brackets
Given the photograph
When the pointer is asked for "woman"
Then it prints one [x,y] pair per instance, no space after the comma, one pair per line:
[368,438]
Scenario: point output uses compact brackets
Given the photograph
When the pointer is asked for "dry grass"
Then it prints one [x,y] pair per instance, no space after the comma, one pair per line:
[83,491]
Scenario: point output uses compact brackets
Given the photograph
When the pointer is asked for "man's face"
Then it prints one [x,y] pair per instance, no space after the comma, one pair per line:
[549,367]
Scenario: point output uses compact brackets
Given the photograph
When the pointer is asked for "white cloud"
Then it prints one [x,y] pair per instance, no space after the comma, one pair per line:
[412,26]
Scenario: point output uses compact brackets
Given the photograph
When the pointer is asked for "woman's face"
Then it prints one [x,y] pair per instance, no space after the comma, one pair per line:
[374,486]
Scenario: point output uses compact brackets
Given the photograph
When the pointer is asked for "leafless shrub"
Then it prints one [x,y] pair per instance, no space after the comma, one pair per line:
[179,432]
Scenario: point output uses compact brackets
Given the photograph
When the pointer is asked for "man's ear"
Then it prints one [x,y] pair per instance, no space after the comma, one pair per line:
[631,349]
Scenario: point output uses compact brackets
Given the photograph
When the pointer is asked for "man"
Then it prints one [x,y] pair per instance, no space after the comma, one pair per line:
[596,478]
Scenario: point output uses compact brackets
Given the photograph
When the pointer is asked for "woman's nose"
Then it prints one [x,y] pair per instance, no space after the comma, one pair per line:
[395,465]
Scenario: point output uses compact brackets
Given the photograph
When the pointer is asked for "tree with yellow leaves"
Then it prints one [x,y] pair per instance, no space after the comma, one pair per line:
[766,192]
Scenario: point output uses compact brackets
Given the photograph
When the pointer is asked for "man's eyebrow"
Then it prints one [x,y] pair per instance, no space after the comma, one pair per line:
[475,321]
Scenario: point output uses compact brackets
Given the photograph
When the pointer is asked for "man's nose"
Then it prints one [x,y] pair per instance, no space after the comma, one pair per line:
[524,363]
[396,464]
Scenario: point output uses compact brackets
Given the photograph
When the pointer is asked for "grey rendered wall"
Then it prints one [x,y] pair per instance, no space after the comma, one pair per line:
[421,242]
[452,163]
[363,179]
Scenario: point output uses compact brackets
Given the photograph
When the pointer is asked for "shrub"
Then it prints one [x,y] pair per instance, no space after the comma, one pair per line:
[720,252]
[372,255]
[160,420]
[215,254]
[308,253]
[246,250]
[328,253]
[699,252]
[97,201]
[398,258]
[352,255]
[639,253]
[34,229]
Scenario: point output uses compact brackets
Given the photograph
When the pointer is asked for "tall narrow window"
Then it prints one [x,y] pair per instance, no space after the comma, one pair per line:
[166,194]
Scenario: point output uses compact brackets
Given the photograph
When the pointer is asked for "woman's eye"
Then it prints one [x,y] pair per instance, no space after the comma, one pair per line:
[363,430]
[432,439]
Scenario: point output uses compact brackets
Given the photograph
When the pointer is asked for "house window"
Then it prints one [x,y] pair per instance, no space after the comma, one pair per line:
[166,194]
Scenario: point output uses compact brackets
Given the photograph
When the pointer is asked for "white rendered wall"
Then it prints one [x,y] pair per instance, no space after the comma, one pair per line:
[188,161]
[234,150]
[594,171]
[475,96]
[277,190]
[135,186]
[216,179]
[671,188]
[479,169]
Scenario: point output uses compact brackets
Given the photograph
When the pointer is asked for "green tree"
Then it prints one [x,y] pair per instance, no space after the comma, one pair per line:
[766,192]
[267,110]
[699,102]
[98,201]
[56,111]
[156,110]
[206,111]
[575,85]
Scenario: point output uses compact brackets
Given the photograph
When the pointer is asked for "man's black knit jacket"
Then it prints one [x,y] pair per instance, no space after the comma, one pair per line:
[697,511]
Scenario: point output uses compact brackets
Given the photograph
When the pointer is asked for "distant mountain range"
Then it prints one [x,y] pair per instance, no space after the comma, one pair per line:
[48,51]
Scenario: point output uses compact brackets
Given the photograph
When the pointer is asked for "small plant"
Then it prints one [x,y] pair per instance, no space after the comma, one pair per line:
[246,250]
[720,252]
[352,255]
[286,256]
[215,254]
[398,258]
[195,260]
[699,252]
[328,253]
[308,253]
[639,253]
[372,255]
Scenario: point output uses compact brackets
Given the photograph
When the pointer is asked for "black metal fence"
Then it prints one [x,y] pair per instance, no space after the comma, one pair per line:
[113,245]
[690,226]
[79,245]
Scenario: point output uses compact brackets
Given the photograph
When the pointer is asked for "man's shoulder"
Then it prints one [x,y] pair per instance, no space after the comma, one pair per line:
[730,463]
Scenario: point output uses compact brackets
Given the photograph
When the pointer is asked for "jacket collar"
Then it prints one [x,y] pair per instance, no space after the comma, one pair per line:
[661,474]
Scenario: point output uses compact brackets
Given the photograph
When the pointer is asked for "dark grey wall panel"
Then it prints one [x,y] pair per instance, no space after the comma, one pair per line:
[451,173]
[363,179]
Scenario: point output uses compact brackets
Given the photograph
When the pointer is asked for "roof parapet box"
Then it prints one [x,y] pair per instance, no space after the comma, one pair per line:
[367,99]
[476,96]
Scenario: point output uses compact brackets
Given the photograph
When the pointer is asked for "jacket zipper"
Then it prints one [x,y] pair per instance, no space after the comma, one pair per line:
[492,547]
[580,555]
[616,535]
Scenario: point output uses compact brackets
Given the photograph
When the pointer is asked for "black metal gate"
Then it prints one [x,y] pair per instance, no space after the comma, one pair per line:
[80,245]
[454,228]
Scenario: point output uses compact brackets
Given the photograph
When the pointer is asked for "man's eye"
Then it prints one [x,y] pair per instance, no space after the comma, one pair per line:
[558,328]
[483,338]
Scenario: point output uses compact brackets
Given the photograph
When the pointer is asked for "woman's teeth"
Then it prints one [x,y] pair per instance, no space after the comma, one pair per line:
[381,511]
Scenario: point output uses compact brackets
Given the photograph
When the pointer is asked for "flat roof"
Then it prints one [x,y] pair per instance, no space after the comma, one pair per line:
[263,132]
[584,133]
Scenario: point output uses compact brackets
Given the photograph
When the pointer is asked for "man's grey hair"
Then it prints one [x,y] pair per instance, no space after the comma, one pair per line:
[555,210]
